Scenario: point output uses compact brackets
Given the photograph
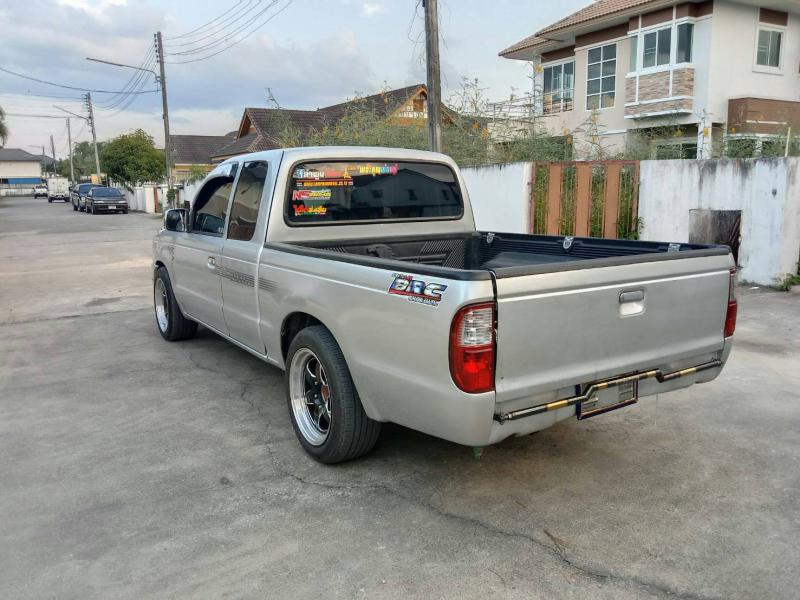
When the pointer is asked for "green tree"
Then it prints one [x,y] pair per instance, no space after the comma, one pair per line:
[82,158]
[3,127]
[132,159]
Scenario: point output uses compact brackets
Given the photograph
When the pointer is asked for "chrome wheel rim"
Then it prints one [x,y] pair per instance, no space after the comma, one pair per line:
[310,396]
[162,305]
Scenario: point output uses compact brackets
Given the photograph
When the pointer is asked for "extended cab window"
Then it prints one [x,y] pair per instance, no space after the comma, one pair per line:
[211,206]
[365,191]
[246,201]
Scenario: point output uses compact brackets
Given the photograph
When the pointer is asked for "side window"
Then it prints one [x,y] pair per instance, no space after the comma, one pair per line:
[211,206]
[246,201]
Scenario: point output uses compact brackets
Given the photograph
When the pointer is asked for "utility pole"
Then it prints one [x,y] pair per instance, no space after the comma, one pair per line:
[69,141]
[434,78]
[53,150]
[163,81]
[44,155]
[94,135]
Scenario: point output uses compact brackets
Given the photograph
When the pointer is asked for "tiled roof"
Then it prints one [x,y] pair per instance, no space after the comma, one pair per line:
[197,149]
[383,103]
[267,123]
[241,146]
[19,155]
[597,10]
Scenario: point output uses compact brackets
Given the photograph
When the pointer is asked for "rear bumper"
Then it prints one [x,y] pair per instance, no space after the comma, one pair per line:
[522,420]
[656,374]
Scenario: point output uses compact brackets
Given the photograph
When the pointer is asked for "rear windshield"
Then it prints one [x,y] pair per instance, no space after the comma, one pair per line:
[84,187]
[364,191]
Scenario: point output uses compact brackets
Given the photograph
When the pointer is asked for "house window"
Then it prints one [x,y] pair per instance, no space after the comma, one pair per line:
[768,52]
[601,79]
[559,83]
[685,35]
[657,48]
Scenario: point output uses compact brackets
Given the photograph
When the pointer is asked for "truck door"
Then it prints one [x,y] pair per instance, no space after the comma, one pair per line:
[196,266]
[240,253]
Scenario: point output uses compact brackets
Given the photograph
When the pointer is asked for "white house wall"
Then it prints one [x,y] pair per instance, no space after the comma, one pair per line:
[20,169]
[733,70]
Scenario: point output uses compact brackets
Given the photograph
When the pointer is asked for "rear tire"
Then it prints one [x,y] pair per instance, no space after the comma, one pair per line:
[317,376]
[170,321]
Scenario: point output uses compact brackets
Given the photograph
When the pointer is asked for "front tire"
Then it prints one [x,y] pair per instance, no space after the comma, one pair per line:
[170,321]
[74,207]
[324,406]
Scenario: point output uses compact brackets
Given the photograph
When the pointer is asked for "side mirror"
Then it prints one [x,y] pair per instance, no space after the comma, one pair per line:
[175,219]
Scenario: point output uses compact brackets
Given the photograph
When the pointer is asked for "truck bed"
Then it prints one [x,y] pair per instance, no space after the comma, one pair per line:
[472,256]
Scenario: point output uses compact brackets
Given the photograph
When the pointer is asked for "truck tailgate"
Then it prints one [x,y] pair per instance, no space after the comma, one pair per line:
[560,329]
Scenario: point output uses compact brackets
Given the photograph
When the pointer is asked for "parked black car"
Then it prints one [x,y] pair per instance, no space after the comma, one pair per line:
[105,199]
[78,195]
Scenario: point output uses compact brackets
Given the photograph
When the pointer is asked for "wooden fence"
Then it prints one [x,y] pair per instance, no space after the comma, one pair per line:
[585,199]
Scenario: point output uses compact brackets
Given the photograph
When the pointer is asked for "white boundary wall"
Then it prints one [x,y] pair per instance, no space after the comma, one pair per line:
[500,196]
[767,191]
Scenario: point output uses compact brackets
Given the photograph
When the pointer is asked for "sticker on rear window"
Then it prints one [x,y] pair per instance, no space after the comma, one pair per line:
[417,290]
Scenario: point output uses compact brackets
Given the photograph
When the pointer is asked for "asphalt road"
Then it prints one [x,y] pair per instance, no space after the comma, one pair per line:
[131,467]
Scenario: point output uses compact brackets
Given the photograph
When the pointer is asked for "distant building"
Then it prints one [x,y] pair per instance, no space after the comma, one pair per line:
[261,128]
[685,76]
[189,151]
[19,168]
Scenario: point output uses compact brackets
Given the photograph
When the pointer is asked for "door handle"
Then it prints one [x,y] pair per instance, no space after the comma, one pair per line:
[635,296]
[212,262]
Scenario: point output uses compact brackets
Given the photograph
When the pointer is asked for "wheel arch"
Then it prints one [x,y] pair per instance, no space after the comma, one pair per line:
[298,320]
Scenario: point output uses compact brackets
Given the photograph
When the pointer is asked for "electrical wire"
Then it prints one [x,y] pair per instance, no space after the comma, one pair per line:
[138,82]
[68,87]
[227,36]
[220,27]
[10,114]
[148,58]
[234,43]
[40,95]
[189,33]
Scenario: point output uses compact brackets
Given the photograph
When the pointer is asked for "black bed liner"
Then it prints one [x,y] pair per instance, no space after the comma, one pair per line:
[474,256]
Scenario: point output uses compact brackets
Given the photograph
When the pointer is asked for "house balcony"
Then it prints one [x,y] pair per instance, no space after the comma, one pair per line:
[668,91]
[763,116]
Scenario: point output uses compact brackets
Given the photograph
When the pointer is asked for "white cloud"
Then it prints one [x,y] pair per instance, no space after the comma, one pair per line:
[369,9]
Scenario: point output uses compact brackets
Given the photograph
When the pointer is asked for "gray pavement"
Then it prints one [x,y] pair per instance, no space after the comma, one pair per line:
[132,468]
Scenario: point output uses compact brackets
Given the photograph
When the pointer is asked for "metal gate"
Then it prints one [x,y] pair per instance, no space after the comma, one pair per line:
[585,199]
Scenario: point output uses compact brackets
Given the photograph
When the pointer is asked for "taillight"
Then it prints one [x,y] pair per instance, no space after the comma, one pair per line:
[730,316]
[472,348]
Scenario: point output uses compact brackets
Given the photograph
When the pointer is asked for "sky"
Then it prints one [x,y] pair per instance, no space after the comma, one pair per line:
[313,53]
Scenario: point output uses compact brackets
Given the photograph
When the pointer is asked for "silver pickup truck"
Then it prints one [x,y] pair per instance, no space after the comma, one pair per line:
[359,272]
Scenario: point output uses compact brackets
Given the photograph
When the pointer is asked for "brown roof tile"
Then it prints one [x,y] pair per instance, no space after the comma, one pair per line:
[597,10]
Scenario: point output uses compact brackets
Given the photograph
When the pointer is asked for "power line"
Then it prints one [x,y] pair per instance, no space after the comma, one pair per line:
[220,27]
[189,33]
[232,44]
[227,35]
[26,94]
[9,114]
[138,81]
[68,87]
[136,76]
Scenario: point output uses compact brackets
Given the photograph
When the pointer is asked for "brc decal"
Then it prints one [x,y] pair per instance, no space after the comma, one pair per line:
[417,290]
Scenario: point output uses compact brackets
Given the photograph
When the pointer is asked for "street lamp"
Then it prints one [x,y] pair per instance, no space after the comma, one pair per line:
[108,62]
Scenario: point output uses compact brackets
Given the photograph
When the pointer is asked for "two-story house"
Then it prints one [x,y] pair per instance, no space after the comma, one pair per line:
[679,76]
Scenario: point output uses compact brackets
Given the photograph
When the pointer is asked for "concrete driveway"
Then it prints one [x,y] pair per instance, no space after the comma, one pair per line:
[132,468]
